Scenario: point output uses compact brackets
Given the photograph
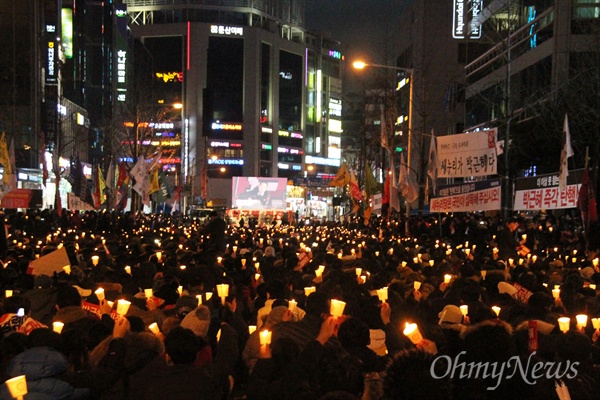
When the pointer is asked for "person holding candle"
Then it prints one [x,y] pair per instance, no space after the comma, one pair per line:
[508,244]
[215,231]
[175,377]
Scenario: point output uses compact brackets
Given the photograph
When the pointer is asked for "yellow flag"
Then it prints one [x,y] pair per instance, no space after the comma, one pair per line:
[5,160]
[154,184]
[101,185]
[342,178]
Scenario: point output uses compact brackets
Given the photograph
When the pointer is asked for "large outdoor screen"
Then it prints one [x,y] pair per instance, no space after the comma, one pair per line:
[258,193]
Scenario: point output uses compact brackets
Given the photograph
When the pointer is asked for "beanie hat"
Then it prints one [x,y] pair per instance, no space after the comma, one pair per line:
[184,305]
[197,321]
[587,273]
[451,314]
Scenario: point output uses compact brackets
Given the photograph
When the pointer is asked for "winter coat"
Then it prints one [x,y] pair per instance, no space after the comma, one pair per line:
[43,367]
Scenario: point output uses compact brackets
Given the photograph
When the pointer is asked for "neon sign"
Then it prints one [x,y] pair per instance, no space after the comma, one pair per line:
[217,126]
[170,76]
[227,30]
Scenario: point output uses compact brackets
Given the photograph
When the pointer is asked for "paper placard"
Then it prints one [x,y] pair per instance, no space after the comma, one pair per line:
[50,263]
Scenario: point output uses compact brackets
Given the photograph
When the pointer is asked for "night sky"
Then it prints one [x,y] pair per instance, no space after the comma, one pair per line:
[360,25]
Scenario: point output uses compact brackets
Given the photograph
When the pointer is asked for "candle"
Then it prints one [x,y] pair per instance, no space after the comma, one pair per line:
[219,260]
[8,293]
[17,387]
[208,296]
[447,278]
[57,326]
[100,293]
[382,294]
[496,309]
[431,262]
[417,285]
[464,309]
[223,291]
[180,290]
[123,307]
[376,254]
[556,293]
[251,329]
[337,308]
[593,286]
[292,304]
[95,260]
[412,332]
[363,279]
[257,277]
[564,324]
[596,323]
[265,337]
[154,328]
[483,274]
[309,290]
[243,262]
[358,271]
[128,269]
[319,271]
[159,256]
[199,297]
[581,321]
[67,269]
[148,293]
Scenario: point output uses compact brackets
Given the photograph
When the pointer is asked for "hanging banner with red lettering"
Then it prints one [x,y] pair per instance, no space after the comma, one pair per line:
[467,154]
[468,197]
[542,193]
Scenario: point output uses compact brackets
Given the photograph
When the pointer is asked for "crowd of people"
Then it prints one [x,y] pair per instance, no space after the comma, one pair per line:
[435,307]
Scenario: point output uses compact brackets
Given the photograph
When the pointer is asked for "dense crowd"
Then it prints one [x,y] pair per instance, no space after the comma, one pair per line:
[434,307]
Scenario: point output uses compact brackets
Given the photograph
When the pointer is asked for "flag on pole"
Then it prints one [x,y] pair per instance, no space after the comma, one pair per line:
[385,199]
[342,178]
[432,163]
[586,202]
[371,185]
[154,184]
[5,161]
[407,188]
[384,137]
[567,151]
[354,188]
[394,198]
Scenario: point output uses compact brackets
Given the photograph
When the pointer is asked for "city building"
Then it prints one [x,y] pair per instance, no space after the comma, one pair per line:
[261,96]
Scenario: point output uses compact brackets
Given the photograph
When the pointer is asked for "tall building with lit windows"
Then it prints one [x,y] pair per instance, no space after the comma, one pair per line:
[261,96]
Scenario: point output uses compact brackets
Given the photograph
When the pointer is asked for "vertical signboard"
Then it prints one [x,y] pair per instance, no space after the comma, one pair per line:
[467,19]
[67,32]
[120,78]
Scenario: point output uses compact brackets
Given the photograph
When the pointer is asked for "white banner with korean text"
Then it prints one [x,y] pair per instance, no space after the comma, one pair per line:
[467,154]
[468,197]
[542,192]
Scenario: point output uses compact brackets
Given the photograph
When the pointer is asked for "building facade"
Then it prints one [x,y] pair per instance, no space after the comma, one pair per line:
[261,96]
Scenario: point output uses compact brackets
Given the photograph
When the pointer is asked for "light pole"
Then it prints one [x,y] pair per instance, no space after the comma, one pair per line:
[362,65]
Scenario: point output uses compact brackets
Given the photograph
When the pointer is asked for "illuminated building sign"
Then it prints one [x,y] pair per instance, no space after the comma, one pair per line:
[227,30]
[335,107]
[531,14]
[161,125]
[283,166]
[297,167]
[286,75]
[170,160]
[217,126]
[322,161]
[51,63]
[334,125]
[290,151]
[226,161]
[293,135]
[121,52]
[225,144]
[266,129]
[466,21]
[266,146]
[67,31]
[335,54]
[170,76]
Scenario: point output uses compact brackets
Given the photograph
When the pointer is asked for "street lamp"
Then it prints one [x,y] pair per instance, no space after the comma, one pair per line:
[359,64]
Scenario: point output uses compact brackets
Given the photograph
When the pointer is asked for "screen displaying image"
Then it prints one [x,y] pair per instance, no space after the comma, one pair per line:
[253,193]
